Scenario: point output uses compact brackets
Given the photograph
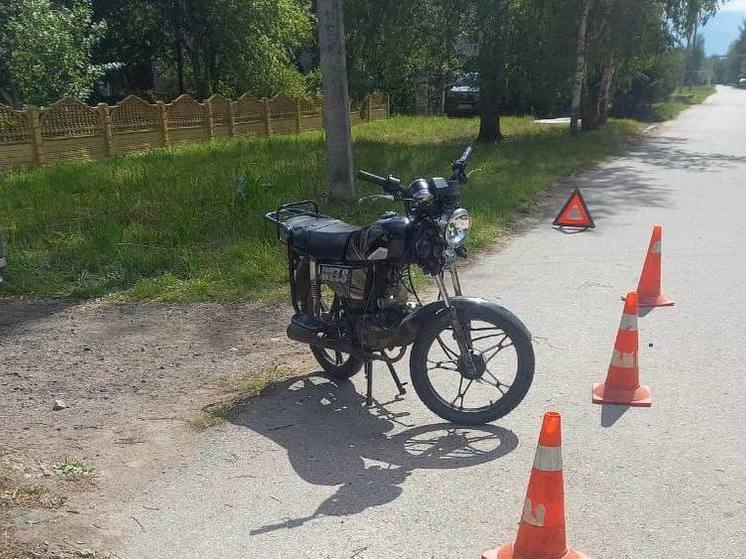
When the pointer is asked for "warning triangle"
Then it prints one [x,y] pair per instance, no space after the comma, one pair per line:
[574,213]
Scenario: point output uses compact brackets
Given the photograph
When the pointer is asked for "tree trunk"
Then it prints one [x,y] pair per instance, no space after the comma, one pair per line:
[605,91]
[580,67]
[336,99]
[589,106]
[491,72]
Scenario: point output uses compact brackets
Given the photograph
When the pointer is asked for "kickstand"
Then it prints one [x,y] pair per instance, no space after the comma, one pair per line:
[397,380]
[369,381]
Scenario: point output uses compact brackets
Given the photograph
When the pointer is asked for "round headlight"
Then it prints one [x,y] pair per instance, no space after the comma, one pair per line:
[457,227]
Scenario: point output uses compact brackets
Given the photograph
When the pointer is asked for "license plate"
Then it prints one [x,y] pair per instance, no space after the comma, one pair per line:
[466,106]
[334,274]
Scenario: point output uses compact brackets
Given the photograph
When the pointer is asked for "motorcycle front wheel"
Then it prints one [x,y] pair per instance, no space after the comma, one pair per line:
[501,370]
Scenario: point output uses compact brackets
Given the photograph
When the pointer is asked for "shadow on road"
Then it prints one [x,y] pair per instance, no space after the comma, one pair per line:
[332,439]
[610,414]
[17,314]
[628,183]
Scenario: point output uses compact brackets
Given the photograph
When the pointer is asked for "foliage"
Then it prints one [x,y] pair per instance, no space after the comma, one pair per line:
[45,51]
[168,225]
[71,467]
[735,62]
[209,46]
[680,99]
[400,47]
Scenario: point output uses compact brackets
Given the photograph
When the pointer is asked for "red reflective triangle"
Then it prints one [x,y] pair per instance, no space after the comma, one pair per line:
[574,213]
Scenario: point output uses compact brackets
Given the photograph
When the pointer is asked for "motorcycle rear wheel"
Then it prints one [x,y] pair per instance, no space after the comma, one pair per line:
[438,371]
[336,364]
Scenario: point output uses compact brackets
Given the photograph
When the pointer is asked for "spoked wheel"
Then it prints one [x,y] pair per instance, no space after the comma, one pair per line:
[482,384]
[337,364]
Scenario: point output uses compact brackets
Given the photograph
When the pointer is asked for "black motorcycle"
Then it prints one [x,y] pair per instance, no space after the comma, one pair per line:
[355,301]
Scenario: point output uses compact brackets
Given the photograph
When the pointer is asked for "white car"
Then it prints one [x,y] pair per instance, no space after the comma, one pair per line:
[742,83]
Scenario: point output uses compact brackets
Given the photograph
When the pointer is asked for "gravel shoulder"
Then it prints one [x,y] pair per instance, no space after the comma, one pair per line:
[133,379]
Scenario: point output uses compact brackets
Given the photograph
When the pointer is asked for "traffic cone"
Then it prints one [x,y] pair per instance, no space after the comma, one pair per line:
[649,288]
[622,384]
[541,532]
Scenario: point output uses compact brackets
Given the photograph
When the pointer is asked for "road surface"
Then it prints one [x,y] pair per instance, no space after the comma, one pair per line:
[307,472]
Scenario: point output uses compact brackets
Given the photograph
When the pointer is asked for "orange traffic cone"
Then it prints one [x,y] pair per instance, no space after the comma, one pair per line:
[622,384]
[541,532]
[649,288]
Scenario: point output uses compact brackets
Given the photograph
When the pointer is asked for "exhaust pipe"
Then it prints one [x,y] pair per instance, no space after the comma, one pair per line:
[304,335]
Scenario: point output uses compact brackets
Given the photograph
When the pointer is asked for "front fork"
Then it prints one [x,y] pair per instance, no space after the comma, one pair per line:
[461,332]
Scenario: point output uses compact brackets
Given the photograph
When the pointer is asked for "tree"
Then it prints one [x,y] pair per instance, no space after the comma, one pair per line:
[209,46]
[399,46]
[45,51]
[336,99]
[492,58]
[580,65]
[735,61]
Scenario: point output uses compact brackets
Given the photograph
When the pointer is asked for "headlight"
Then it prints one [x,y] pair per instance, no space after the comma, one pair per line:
[457,227]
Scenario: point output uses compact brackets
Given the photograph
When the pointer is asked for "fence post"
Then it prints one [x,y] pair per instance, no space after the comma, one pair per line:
[231,119]
[105,123]
[37,144]
[266,116]
[298,121]
[388,106]
[209,120]
[163,116]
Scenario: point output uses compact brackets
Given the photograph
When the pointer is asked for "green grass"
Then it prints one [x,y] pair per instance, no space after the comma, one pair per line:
[176,225]
[679,100]
[71,468]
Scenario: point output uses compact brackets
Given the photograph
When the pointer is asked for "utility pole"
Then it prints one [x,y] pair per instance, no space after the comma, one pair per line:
[336,99]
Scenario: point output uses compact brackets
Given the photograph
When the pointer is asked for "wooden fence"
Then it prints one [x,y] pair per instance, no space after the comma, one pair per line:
[70,129]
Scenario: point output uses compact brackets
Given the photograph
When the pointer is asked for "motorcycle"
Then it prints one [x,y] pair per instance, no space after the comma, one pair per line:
[471,360]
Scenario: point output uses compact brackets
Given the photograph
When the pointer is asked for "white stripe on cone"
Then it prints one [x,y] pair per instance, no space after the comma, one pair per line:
[624,360]
[533,515]
[628,322]
[548,458]
[656,248]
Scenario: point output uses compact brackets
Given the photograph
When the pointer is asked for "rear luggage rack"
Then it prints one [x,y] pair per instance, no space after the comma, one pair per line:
[294,209]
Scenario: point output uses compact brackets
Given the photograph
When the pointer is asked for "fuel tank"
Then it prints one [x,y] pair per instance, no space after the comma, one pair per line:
[385,239]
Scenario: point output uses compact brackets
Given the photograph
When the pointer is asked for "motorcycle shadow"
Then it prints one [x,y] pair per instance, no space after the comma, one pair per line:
[332,439]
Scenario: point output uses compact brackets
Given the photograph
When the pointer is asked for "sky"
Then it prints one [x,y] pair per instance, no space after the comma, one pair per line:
[722,30]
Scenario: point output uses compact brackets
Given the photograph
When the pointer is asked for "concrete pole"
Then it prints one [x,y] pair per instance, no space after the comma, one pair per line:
[336,99]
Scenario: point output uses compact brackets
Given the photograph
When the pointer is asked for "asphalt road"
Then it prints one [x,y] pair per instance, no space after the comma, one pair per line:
[308,472]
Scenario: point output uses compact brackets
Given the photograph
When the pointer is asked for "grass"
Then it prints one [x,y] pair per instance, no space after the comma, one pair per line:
[679,100]
[239,389]
[71,468]
[186,223]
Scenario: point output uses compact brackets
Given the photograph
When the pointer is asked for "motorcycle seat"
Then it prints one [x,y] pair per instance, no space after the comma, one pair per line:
[322,238]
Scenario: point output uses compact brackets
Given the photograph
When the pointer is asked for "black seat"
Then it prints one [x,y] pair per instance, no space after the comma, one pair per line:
[323,238]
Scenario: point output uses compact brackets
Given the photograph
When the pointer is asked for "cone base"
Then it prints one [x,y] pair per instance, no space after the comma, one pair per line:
[659,300]
[639,397]
[507,552]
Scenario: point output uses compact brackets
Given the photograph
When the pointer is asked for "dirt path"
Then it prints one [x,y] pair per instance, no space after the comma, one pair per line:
[133,378]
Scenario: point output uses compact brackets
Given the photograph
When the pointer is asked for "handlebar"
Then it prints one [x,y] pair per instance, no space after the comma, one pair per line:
[390,184]
[370,177]
[461,161]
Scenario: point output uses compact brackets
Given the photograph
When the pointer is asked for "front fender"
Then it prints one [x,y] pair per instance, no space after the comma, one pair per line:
[427,313]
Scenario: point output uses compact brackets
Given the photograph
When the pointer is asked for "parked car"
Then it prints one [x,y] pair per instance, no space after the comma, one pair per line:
[742,83]
[3,262]
[462,98]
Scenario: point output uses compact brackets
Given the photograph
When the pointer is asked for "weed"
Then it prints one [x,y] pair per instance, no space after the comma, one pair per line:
[240,388]
[71,468]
